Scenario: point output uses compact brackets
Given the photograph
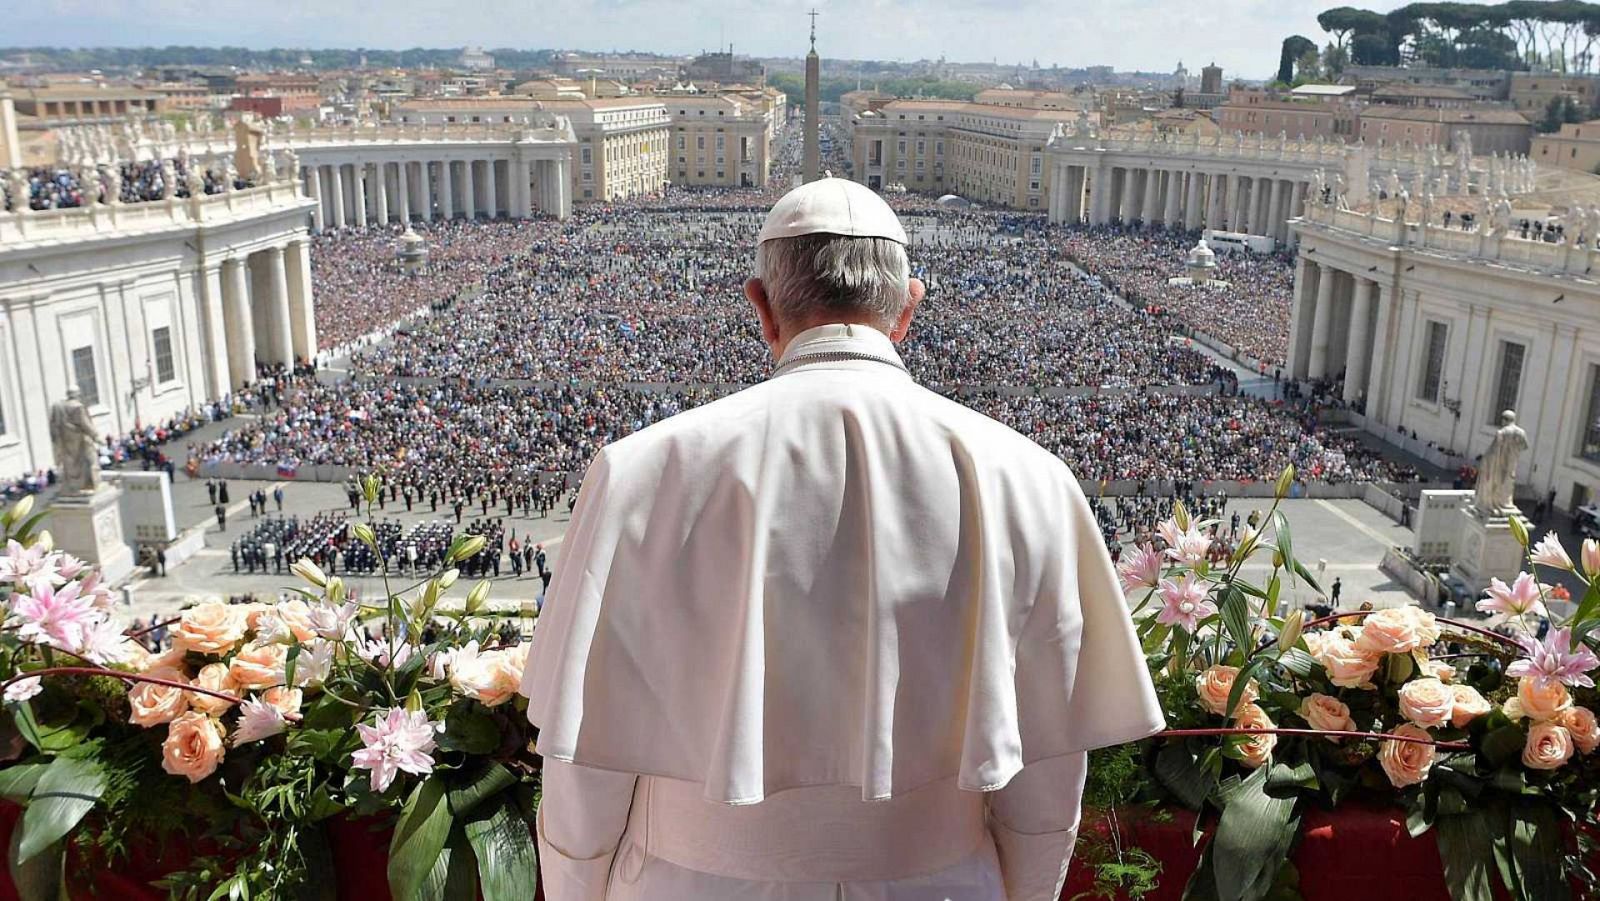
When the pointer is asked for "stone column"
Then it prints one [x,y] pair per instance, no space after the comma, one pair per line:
[493,188]
[1215,189]
[563,189]
[402,189]
[1358,351]
[1298,362]
[469,191]
[1235,186]
[1321,323]
[1297,204]
[1377,364]
[1130,199]
[447,192]
[302,309]
[1191,204]
[314,191]
[1275,216]
[1175,199]
[519,188]
[358,202]
[380,182]
[336,193]
[214,329]
[280,346]
[422,203]
[241,338]
[1150,210]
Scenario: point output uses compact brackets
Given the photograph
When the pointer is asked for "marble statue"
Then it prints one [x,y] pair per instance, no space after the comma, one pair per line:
[76,442]
[293,160]
[192,181]
[1500,215]
[1591,225]
[1497,471]
[113,183]
[169,179]
[1391,186]
[269,166]
[1319,187]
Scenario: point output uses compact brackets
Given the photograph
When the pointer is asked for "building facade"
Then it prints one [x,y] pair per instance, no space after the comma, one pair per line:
[1436,332]
[1575,146]
[149,308]
[721,139]
[1493,130]
[983,152]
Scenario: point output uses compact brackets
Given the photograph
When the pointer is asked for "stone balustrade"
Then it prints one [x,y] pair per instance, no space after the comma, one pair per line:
[1484,242]
[27,226]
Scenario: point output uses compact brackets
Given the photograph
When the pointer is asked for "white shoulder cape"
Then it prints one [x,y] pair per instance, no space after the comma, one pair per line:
[835,577]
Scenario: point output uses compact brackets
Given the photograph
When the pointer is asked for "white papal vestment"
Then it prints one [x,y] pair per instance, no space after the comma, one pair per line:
[833,636]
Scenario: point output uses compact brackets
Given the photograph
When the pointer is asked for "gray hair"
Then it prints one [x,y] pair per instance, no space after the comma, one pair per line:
[820,274]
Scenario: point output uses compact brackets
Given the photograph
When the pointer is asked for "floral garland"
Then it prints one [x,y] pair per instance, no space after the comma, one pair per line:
[1486,736]
[272,718]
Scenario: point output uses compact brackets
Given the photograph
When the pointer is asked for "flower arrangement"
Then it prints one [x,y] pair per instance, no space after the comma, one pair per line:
[262,722]
[1484,733]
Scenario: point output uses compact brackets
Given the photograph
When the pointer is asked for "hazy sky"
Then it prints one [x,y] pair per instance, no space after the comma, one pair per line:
[1241,35]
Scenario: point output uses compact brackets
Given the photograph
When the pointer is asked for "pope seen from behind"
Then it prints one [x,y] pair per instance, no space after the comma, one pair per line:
[833,636]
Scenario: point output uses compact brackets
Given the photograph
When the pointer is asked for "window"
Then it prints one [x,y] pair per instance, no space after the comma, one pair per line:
[588,156]
[699,142]
[1591,422]
[1433,362]
[83,373]
[682,142]
[161,339]
[1505,393]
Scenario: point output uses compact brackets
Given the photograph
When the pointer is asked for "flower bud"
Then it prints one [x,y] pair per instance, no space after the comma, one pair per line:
[309,571]
[414,702]
[44,541]
[1290,633]
[335,590]
[365,535]
[370,487]
[447,578]
[1591,557]
[20,510]
[1180,515]
[1285,482]
[477,596]
[465,546]
[1519,530]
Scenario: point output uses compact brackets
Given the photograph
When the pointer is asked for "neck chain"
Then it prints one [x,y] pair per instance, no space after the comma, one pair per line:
[835,356]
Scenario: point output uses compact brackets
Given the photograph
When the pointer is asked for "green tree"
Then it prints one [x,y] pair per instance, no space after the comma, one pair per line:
[1294,47]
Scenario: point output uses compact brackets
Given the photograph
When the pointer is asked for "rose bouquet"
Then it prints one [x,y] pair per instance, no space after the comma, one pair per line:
[1484,733]
[261,723]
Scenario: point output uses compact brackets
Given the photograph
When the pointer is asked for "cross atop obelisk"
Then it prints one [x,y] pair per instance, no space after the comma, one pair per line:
[811,156]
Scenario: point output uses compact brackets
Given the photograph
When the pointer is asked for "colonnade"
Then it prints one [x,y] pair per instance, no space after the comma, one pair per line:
[369,192]
[1339,326]
[256,309]
[1178,197]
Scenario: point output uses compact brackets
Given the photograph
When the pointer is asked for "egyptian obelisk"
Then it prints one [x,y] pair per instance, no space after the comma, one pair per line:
[811,162]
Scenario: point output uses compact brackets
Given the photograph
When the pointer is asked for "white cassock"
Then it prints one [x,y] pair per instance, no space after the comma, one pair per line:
[833,636]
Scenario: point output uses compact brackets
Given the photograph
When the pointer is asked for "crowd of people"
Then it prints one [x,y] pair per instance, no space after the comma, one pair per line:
[133,181]
[1250,314]
[546,340]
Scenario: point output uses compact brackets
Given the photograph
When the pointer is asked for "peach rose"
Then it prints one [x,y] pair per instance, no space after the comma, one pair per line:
[1426,624]
[1257,749]
[1549,747]
[1406,762]
[213,676]
[151,705]
[1540,703]
[1469,705]
[259,666]
[1427,702]
[209,628]
[1215,684]
[1347,665]
[171,658]
[1580,721]
[296,615]
[287,700]
[1391,631]
[1444,672]
[193,748]
[1327,712]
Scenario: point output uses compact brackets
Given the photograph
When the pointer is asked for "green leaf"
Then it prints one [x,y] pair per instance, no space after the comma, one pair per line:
[289,661]
[488,780]
[501,841]
[1183,775]
[38,878]
[1299,662]
[1467,850]
[1589,606]
[67,790]
[1306,574]
[1537,847]
[1253,838]
[1235,610]
[454,876]
[470,729]
[17,781]
[1504,745]
[1242,681]
[419,839]
[1284,541]
[1300,775]
[51,738]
